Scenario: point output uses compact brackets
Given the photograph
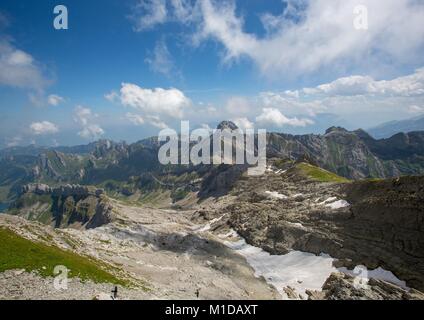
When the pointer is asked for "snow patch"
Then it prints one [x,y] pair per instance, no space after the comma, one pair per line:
[379,274]
[338,204]
[275,195]
[299,270]
[334,203]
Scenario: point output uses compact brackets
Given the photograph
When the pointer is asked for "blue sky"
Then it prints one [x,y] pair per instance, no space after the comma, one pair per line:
[125,69]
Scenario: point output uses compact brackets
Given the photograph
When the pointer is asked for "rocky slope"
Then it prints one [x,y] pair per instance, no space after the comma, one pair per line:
[373,223]
[161,252]
[64,206]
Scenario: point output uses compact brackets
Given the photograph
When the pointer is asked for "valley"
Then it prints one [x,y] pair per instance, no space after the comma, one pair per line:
[299,231]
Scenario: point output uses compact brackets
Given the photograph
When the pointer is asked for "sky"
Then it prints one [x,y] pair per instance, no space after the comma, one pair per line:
[125,69]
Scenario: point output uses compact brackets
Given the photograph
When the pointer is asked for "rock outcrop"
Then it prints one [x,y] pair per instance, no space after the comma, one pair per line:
[371,223]
[340,286]
[64,206]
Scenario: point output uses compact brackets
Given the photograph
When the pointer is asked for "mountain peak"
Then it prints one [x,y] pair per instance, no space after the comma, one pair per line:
[335,129]
[227,125]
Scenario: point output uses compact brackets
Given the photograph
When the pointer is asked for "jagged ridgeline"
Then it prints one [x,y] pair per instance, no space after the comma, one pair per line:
[133,170]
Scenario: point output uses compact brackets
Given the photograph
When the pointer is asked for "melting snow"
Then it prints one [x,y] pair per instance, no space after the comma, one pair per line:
[338,204]
[379,273]
[299,270]
[333,203]
[276,195]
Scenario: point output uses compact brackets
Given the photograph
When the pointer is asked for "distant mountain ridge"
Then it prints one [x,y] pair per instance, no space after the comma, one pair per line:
[126,168]
[388,129]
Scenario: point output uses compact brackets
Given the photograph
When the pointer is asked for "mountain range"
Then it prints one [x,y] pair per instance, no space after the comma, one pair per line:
[389,129]
[125,169]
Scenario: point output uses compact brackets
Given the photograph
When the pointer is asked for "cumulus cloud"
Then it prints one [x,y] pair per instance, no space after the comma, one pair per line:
[409,85]
[238,105]
[135,119]
[244,123]
[85,118]
[54,99]
[19,69]
[156,122]
[169,102]
[307,36]
[273,116]
[44,127]
[354,95]
[91,131]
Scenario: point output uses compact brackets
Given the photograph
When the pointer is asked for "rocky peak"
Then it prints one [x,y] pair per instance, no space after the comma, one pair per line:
[227,125]
[335,129]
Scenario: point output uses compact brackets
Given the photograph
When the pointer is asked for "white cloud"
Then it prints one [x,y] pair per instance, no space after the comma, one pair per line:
[409,85]
[273,116]
[84,117]
[157,122]
[135,119]
[148,13]
[238,105]
[161,61]
[170,102]
[112,96]
[306,37]
[324,36]
[91,131]
[244,123]
[14,141]
[54,99]
[19,69]
[44,127]
[416,109]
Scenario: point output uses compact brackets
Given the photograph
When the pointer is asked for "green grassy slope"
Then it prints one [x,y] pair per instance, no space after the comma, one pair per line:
[319,174]
[17,252]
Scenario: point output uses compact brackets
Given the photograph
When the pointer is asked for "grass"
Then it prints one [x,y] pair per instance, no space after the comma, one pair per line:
[319,174]
[17,252]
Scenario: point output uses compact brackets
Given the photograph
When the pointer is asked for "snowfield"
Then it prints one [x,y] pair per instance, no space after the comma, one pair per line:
[301,270]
